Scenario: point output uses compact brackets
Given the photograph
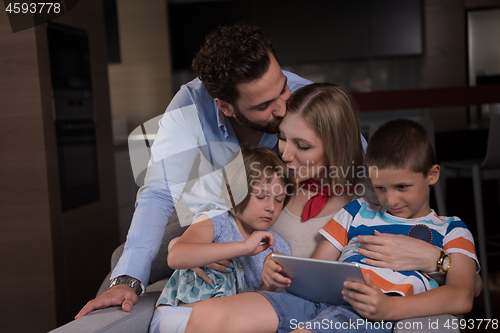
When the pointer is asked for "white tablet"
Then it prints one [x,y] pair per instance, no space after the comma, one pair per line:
[318,280]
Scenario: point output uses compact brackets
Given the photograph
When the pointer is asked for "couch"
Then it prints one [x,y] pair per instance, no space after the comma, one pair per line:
[115,320]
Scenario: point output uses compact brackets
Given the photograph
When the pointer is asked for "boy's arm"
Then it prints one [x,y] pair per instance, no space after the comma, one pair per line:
[195,247]
[456,297]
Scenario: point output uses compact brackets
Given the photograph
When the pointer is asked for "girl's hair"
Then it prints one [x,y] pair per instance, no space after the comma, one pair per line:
[249,167]
[331,112]
[400,144]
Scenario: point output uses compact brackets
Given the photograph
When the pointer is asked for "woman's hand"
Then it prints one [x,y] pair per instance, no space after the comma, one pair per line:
[367,299]
[258,242]
[271,275]
[398,252]
[222,266]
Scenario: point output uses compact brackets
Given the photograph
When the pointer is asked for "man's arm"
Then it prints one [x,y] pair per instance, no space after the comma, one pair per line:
[174,151]
[172,156]
[456,297]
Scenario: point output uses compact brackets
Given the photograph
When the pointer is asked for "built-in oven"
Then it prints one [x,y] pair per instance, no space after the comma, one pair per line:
[73,115]
[77,159]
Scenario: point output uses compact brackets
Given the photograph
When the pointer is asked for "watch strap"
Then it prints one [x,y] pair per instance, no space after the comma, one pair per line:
[129,281]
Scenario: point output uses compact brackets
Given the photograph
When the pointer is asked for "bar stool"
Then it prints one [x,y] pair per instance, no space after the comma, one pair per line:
[478,170]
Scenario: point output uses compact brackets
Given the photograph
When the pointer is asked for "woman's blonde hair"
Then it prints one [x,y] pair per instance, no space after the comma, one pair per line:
[331,112]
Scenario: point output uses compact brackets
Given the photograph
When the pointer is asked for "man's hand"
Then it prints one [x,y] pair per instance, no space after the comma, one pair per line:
[117,295]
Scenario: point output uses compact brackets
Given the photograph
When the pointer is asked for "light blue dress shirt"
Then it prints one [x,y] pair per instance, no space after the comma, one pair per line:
[192,128]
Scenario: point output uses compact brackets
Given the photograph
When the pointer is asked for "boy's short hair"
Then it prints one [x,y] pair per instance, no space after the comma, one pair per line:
[231,55]
[260,164]
[399,144]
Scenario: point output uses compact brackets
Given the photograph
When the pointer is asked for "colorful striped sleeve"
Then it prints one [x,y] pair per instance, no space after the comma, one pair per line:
[335,231]
[458,239]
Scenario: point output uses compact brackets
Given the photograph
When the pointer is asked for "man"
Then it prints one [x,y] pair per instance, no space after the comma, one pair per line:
[238,99]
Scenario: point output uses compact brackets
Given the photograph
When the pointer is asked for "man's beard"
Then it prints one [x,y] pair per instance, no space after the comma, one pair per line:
[271,128]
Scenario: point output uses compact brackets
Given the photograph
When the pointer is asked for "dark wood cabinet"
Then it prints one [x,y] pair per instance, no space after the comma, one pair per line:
[52,261]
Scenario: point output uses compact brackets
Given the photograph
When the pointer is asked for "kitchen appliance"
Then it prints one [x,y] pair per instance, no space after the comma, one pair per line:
[73,115]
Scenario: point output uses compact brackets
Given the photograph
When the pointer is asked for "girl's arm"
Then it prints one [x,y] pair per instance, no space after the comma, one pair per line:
[195,247]
[456,297]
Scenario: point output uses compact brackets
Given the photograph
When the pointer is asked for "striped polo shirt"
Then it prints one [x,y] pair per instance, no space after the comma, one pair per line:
[362,218]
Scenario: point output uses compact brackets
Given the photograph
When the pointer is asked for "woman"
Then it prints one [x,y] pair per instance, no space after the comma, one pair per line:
[320,143]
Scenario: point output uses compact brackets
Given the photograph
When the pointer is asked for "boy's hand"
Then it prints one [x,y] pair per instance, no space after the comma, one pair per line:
[271,275]
[258,242]
[367,299]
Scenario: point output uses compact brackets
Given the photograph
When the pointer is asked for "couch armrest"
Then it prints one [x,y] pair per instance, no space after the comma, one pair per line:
[115,320]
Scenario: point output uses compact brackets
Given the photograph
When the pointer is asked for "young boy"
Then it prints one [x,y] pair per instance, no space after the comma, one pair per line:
[402,167]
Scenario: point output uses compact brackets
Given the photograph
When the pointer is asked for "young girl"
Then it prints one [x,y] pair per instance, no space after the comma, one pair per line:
[240,234]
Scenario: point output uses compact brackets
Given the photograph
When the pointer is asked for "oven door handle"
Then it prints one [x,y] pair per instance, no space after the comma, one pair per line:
[76,125]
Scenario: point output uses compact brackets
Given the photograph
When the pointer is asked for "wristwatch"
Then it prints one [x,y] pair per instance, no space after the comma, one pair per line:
[129,281]
[443,263]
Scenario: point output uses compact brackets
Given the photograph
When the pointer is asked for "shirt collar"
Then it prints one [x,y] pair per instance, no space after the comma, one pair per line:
[268,140]
[221,121]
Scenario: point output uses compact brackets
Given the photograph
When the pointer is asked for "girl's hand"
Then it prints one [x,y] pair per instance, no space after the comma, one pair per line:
[271,275]
[258,242]
[399,252]
[367,299]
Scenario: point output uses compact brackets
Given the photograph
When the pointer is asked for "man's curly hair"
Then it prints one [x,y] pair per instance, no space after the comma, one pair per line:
[231,55]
